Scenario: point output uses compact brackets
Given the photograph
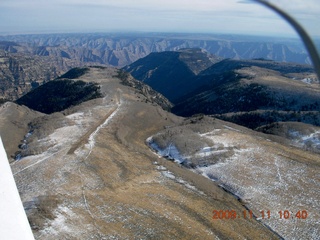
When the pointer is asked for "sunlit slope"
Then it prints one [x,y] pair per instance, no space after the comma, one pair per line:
[92,175]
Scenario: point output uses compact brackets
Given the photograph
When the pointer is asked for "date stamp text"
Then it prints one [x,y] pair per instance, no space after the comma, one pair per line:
[263,214]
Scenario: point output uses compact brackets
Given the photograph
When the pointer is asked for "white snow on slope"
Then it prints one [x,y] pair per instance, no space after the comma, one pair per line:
[77,117]
[265,181]
[312,140]
[307,80]
[58,224]
[55,148]
[170,152]
[91,140]
[62,138]
[209,151]
[14,224]
[269,182]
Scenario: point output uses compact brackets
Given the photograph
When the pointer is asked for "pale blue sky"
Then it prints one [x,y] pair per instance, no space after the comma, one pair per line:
[209,16]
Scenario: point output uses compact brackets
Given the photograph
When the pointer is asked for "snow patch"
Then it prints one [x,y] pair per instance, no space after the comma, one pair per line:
[91,140]
[307,80]
[170,152]
[161,168]
[209,151]
[312,140]
[59,225]
[168,174]
[230,128]
[77,117]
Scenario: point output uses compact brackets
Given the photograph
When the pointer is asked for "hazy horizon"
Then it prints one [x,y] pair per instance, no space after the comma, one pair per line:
[204,16]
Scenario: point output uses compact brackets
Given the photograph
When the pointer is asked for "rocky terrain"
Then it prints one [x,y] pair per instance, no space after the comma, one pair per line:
[89,174]
[29,60]
[123,49]
[21,72]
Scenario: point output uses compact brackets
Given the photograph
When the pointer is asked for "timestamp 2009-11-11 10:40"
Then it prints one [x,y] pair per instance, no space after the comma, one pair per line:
[248,214]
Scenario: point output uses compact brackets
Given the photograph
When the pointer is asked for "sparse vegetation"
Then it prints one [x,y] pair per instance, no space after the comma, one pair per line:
[122,75]
[233,97]
[58,95]
[151,95]
[3,100]
[74,73]
[99,67]
[263,59]
[257,119]
[42,209]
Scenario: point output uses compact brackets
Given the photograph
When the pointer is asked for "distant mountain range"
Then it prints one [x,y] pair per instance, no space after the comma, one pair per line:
[29,60]
[123,49]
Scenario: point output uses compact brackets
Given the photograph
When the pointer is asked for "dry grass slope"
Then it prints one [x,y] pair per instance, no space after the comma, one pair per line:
[111,186]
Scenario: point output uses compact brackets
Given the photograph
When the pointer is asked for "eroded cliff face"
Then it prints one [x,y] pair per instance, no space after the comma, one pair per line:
[20,72]
[123,49]
[36,58]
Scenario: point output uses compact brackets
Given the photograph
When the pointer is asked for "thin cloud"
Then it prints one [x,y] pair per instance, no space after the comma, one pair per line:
[157,15]
[245,2]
